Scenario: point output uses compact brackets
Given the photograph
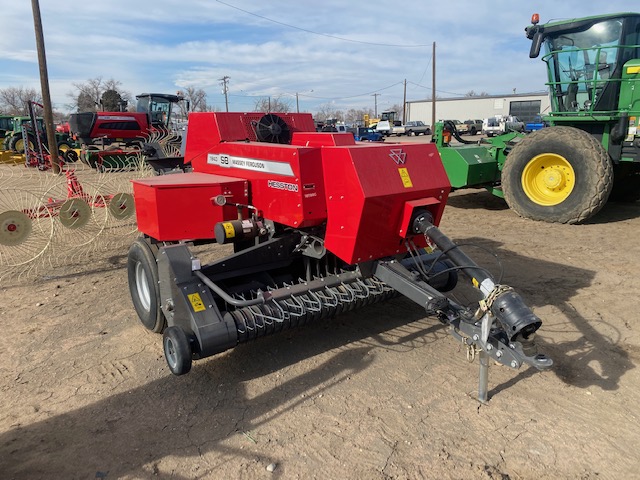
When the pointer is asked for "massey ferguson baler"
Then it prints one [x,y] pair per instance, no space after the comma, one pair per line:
[320,225]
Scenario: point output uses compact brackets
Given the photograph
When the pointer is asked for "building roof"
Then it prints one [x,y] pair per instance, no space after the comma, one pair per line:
[476,97]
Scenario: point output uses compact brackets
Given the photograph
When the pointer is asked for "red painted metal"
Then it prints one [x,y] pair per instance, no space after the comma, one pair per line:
[180,207]
[368,188]
[366,194]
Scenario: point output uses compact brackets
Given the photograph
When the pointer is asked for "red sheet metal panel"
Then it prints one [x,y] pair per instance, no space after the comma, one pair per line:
[179,207]
[286,181]
[368,188]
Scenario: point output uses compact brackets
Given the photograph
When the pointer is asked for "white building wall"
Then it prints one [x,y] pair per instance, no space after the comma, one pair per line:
[471,107]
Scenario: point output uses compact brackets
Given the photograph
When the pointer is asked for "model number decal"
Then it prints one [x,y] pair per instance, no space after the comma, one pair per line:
[244,163]
[289,187]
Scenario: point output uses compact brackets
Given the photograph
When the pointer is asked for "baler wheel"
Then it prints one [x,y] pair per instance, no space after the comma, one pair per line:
[177,350]
[142,273]
[557,174]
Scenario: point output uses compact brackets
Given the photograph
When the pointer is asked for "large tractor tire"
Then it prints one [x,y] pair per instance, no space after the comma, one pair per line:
[17,143]
[557,174]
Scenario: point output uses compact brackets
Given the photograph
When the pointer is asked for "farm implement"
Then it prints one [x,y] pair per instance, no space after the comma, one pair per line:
[320,226]
[116,140]
[590,152]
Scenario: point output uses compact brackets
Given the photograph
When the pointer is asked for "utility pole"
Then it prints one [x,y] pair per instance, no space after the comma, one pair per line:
[297,104]
[375,100]
[433,86]
[224,81]
[404,103]
[44,85]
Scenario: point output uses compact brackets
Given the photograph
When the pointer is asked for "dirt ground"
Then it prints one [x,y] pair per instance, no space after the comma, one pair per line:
[380,393]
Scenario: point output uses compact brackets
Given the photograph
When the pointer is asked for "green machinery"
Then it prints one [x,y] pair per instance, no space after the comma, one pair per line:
[14,136]
[591,152]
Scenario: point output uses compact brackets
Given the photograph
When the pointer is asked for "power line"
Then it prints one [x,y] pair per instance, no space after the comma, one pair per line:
[330,98]
[318,33]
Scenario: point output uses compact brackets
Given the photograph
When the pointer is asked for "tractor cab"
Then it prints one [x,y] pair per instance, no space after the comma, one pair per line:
[158,106]
[587,61]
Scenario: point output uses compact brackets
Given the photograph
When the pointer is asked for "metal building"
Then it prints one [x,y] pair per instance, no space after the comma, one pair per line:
[523,105]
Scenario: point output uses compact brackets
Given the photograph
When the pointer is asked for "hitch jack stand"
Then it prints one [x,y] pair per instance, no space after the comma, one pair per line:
[483,382]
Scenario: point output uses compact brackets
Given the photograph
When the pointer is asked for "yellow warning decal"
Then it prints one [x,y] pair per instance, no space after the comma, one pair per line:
[406,179]
[633,69]
[229,231]
[475,283]
[196,302]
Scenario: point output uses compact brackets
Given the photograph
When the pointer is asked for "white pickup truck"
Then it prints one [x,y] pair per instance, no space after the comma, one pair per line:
[388,125]
[498,125]
[416,127]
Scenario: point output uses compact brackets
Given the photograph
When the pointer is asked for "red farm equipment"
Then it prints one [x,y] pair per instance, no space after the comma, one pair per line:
[320,225]
[110,139]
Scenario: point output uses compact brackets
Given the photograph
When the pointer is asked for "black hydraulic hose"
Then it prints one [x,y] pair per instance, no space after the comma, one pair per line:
[225,296]
[448,124]
[506,305]
[423,225]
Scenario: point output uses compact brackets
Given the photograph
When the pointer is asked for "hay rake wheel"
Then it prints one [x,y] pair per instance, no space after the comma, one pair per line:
[26,227]
[117,190]
[79,210]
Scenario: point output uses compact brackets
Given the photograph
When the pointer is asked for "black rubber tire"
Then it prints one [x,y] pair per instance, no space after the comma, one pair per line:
[15,139]
[591,165]
[177,350]
[142,272]
[70,156]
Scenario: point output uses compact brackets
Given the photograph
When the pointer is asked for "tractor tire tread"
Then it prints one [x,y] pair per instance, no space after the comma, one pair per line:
[598,174]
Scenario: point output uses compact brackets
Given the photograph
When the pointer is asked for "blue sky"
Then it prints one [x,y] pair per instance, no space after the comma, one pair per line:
[331,53]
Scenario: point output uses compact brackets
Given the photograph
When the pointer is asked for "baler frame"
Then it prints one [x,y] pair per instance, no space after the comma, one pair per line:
[295,262]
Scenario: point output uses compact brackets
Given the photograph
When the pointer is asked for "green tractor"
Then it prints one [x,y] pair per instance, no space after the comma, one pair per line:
[6,125]
[14,137]
[14,140]
[591,152]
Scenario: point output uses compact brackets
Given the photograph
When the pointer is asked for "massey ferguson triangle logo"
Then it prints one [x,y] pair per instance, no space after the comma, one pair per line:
[398,156]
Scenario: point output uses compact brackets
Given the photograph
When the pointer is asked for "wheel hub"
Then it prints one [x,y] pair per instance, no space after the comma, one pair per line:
[122,206]
[74,213]
[548,179]
[15,228]
[554,178]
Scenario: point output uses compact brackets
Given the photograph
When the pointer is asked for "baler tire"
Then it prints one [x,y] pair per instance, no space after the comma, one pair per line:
[142,271]
[177,350]
[557,174]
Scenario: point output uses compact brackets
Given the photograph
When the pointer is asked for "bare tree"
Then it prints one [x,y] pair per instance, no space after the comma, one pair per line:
[87,96]
[197,99]
[327,112]
[356,116]
[472,93]
[272,104]
[13,100]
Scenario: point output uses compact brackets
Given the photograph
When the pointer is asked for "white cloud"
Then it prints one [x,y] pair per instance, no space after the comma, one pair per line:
[162,45]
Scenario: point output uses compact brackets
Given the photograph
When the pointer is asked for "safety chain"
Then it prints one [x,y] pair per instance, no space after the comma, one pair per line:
[487,303]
